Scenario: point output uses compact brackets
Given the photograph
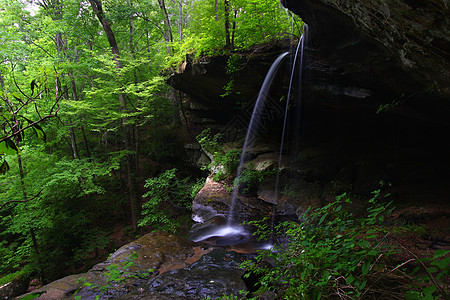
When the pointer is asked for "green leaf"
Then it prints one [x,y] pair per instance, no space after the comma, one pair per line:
[429,290]
[364,244]
[4,167]
[365,268]
[37,129]
[349,279]
[8,147]
[442,264]
[440,253]
[39,132]
[33,85]
[322,218]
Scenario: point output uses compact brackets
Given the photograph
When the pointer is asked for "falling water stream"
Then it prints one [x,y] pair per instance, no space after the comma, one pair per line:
[300,47]
[232,233]
[254,123]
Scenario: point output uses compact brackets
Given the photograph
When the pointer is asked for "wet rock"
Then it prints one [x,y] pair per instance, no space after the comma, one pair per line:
[214,275]
[127,269]
[211,206]
[14,288]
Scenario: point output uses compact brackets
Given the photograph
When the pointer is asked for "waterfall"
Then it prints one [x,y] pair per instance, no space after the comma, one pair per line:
[232,233]
[254,124]
[300,47]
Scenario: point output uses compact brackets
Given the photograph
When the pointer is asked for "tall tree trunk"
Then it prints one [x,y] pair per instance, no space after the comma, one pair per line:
[73,142]
[233,31]
[98,10]
[76,98]
[217,10]
[54,7]
[227,24]
[25,198]
[135,128]
[168,36]
[180,23]
[85,142]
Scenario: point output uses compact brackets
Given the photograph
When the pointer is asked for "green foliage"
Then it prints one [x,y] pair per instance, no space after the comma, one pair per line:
[234,63]
[223,164]
[432,282]
[66,205]
[209,144]
[330,253]
[251,23]
[166,193]
[55,60]
[249,179]
[24,272]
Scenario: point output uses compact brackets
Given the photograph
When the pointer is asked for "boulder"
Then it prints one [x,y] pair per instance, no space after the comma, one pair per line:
[14,288]
[127,269]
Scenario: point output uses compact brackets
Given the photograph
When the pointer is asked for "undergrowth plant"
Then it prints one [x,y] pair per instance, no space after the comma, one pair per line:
[223,164]
[250,178]
[166,192]
[431,277]
[329,254]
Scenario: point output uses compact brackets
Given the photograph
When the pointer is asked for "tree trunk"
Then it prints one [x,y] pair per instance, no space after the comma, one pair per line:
[227,24]
[98,10]
[25,198]
[168,36]
[180,23]
[217,10]
[85,142]
[233,31]
[73,142]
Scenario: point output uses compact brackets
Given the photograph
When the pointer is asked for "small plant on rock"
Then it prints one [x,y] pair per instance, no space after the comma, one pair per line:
[116,275]
[223,164]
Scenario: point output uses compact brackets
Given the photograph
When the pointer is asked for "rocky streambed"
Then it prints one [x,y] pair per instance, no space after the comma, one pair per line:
[156,266]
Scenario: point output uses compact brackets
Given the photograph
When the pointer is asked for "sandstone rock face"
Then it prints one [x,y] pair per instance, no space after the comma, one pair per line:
[387,35]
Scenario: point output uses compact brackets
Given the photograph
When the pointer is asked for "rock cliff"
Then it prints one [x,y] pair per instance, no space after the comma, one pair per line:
[405,42]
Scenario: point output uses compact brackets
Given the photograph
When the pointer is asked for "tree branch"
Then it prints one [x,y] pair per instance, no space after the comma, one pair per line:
[21,201]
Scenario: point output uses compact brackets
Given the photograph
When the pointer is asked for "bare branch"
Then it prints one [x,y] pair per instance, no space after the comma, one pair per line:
[53,113]
[21,201]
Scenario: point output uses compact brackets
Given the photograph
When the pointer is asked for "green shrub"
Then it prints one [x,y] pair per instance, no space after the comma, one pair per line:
[329,254]
[249,179]
[166,193]
[224,164]
[432,282]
